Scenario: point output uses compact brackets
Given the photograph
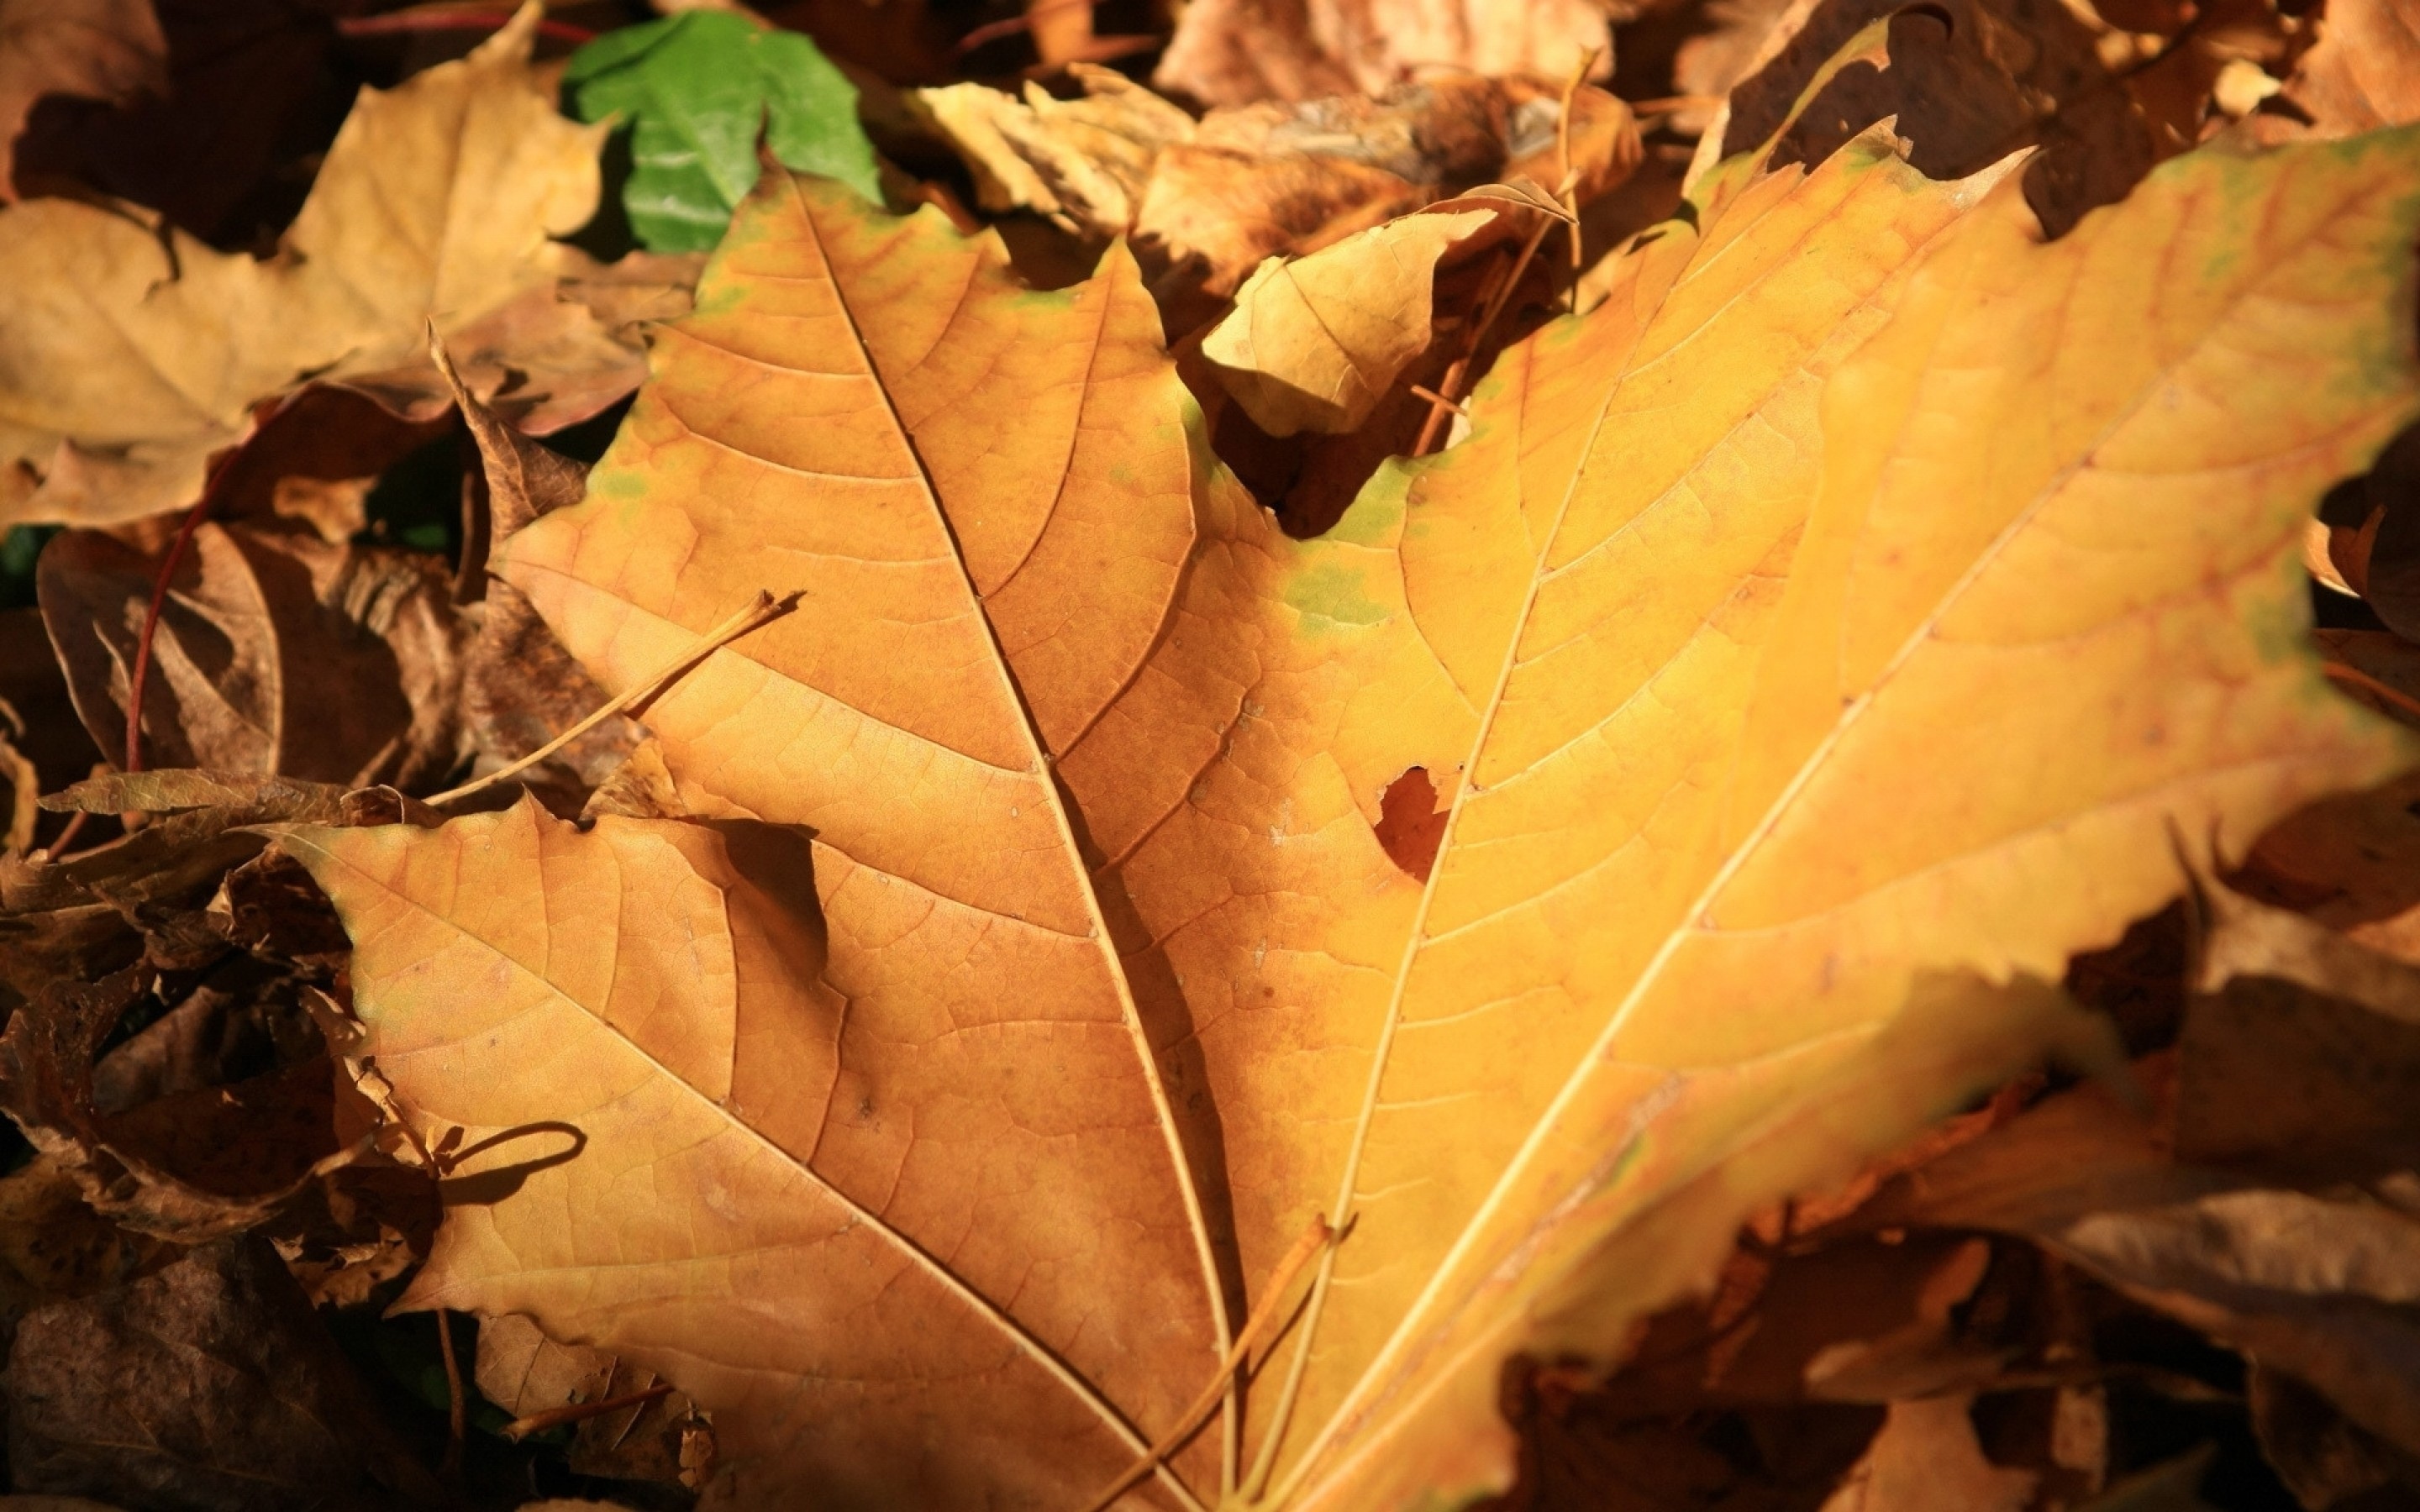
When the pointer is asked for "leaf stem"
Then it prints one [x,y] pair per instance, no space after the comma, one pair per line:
[762,608]
[2357,678]
[1447,393]
[1318,1237]
[212,485]
[457,1410]
[555,1417]
[444,18]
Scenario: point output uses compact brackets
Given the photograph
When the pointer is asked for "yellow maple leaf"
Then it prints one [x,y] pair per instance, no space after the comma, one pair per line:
[1819,642]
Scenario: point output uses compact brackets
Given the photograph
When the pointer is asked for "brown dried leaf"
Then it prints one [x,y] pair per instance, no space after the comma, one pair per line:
[53,1246]
[2275,1208]
[1969,82]
[521,689]
[178,788]
[208,1385]
[276,653]
[109,50]
[1235,52]
[135,351]
[123,1164]
[1081,162]
[1213,199]
[526,1373]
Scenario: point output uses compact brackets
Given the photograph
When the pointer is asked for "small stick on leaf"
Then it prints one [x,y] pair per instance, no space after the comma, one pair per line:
[1438,407]
[555,1417]
[458,1411]
[453,18]
[1315,1239]
[1432,396]
[762,608]
[1567,186]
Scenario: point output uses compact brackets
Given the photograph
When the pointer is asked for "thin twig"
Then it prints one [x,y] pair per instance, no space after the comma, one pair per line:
[1315,1239]
[1567,187]
[141,671]
[1422,391]
[1455,375]
[762,608]
[993,31]
[458,1410]
[2360,679]
[1674,104]
[450,20]
[555,1417]
[67,836]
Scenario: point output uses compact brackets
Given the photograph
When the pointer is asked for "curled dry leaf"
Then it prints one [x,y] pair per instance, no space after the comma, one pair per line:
[2272,1204]
[133,353]
[122,1162]
[109,50]
[1314,342]
[1213,198]
[1081,162]
[275,654]
[1237,52]
[167,792]
[1782,785]
[1967,82]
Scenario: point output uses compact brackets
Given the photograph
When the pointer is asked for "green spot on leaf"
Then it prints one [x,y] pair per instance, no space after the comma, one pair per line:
[696,89]
[1329,597]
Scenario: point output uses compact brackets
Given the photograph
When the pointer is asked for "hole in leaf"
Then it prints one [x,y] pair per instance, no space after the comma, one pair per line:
[1410,824]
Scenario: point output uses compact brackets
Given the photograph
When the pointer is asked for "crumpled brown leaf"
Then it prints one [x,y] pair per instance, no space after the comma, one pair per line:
[97,49]
[1969,82]
[1082,162]
[131,352]
[1235,52]
[276,653]
[520,688]
[1211,200]
[2274,1206]
[46,1084]
[209,1384]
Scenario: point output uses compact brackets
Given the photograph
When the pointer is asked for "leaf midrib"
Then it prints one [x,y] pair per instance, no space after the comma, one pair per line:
[1043,770]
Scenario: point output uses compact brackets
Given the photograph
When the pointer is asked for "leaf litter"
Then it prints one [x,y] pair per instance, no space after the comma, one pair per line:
[1364,756]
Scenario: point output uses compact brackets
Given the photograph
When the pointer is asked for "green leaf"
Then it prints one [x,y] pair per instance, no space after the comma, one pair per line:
[695,89]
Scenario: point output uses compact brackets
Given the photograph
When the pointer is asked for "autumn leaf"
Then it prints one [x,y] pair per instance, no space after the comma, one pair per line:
[133,353]
[2364,72]
[1821,639]
[275,654]
[1313,343]
[1214,198]
[95,48]
[696,90]
[1235,52]
[721,1051]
